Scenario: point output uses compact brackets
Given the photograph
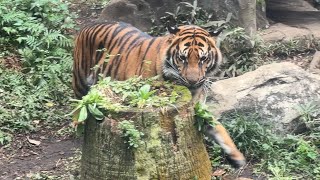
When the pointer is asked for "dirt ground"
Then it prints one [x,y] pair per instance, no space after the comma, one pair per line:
[26,158]
[43,152]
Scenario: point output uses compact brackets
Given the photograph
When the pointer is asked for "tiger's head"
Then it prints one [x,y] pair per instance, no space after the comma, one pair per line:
[191,56]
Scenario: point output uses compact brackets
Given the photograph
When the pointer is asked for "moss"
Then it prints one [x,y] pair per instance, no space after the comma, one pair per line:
[185,94]
[145,164]
[154,141]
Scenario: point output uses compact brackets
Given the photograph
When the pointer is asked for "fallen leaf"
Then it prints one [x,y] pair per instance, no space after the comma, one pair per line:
[218,172]
[49,104]
[36,122]
[32,141]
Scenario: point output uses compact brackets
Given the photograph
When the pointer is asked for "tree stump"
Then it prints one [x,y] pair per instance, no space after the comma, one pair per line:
[172,147]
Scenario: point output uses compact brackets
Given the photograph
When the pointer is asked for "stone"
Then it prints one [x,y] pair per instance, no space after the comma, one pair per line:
[280,32]
[272,91]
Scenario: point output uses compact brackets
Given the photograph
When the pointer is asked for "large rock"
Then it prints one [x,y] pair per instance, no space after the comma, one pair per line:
[272,91]
[292,5]
[141,13]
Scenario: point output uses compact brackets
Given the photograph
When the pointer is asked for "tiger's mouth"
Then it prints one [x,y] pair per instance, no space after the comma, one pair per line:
[195,85]
[171,73]
[184,82]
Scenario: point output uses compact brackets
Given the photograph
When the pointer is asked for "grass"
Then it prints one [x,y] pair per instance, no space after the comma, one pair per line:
[36,94]
[272,155]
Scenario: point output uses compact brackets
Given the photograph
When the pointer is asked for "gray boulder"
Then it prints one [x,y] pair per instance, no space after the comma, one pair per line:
[272,91]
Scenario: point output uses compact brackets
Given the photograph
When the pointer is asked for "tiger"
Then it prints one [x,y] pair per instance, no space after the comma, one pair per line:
[187,55]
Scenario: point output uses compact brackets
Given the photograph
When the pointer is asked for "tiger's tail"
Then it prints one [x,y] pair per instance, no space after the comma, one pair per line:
[220,135]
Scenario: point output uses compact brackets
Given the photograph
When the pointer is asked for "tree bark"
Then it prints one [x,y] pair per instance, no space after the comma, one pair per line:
[247,14]
[172,148]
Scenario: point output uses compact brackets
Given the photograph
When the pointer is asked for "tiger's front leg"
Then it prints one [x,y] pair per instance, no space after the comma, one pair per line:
[220,135]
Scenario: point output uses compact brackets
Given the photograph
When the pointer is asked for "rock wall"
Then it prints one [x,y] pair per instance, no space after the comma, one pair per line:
[141,13]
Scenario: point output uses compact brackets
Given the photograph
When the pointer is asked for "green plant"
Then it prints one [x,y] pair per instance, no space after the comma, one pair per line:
[41,176]
[143,95]
[96,4]
[307,111]
[215,153]
[309,115]
[4,138]
[131,133]
[278,170]
[289,156]
[91,102]
[108,97]
[239,52]
[22,102]
[185,14]
[36,32]
[203,117]
[243,53]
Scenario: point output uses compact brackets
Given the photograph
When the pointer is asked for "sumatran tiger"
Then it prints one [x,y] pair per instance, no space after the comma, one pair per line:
[186,56]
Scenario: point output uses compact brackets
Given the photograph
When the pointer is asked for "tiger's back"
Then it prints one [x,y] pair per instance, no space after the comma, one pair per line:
[118,50]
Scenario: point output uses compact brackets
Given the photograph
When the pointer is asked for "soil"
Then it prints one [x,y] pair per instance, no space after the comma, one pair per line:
[24,157]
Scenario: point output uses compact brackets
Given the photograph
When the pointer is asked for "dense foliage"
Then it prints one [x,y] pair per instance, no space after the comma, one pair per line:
[275,156]
[36,34]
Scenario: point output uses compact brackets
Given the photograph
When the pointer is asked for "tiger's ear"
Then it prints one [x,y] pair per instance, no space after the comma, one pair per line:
[173,29]
[216,32]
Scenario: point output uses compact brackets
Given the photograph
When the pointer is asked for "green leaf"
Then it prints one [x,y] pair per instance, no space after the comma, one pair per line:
[145,88]
[80,129]
[83,114]
[93,109]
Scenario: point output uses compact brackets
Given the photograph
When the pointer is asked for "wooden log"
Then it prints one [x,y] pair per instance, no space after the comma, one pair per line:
[172,147]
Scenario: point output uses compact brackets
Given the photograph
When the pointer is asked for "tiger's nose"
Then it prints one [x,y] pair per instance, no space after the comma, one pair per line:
[192,76]
[192,82]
